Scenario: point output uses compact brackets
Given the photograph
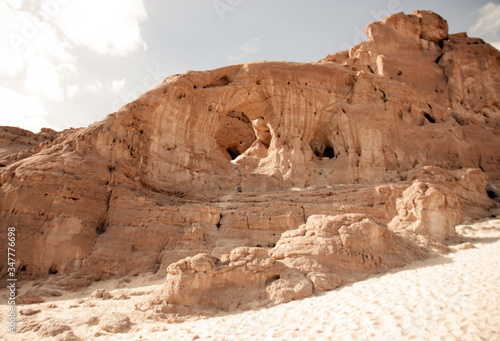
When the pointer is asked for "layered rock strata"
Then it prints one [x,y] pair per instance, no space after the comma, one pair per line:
[366,159]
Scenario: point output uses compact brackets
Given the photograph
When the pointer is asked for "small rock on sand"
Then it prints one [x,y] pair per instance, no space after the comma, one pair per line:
[53,328]
[102,294]
[466,246]
[115,322]
[29,311]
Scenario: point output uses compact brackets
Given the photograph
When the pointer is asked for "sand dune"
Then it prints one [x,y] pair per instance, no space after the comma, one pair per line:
[454,297]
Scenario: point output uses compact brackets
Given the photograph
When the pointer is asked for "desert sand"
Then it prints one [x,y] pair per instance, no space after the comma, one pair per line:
[450,297]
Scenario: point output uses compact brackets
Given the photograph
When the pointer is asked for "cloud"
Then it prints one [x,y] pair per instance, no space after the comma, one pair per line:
[110,27]
[33,52]
[19,110]
[48,79]
[94,86]
[252,46]
[487,25]
[114,86]
[72,90]
[11,62]
[248,47]
[38,62]
[14,4]
[117,85]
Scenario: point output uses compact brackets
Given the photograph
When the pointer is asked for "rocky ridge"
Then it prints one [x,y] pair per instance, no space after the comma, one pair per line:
[275,179]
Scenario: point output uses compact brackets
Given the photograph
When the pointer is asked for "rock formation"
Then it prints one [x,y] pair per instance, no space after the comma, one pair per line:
[275,179]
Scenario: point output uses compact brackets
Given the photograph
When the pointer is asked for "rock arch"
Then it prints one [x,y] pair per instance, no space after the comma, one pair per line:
[235,134]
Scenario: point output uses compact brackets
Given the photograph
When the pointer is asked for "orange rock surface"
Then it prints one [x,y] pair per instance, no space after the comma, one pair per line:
[276,179]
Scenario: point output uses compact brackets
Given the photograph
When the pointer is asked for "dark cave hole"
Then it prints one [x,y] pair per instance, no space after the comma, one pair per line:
[53,270]
[233,152]
[322,149]
[491,194]
[329,152]
[22,268]
[429,118]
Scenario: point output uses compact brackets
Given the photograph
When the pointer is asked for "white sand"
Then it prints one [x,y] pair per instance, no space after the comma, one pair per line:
[455,297]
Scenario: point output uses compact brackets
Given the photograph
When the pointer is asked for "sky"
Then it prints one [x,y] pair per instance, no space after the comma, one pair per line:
[69,63]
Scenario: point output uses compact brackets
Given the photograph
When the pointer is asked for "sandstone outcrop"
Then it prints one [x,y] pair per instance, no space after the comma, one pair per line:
[17,144]
[356,163]
[320,255]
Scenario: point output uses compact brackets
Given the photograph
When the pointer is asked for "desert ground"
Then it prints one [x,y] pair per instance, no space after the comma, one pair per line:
[450,297]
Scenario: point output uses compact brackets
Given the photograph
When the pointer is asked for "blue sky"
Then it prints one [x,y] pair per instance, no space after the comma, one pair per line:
[69,63]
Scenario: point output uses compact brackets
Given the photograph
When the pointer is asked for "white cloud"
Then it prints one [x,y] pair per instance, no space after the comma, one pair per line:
[19,110]
[117,85]
[47,79]
[252,46]
[72,90]
[11,62]
[94,86]
[487,25]
[14,4]
[32,51]
[110,27]
[248,47]
[37,49]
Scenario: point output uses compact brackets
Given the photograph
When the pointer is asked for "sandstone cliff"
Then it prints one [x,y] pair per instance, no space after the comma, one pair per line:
[366,158]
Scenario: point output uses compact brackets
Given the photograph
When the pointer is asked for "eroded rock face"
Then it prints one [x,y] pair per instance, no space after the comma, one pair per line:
[17,144]
[317,256]
[155,182]
[435,204]
[343,243]
[424,209]
[224,283]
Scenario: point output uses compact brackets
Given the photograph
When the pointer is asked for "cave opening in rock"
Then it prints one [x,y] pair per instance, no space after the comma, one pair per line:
[329,152]
[53,270]
[233,152]
[322,148]
[235,134]
[491,194]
